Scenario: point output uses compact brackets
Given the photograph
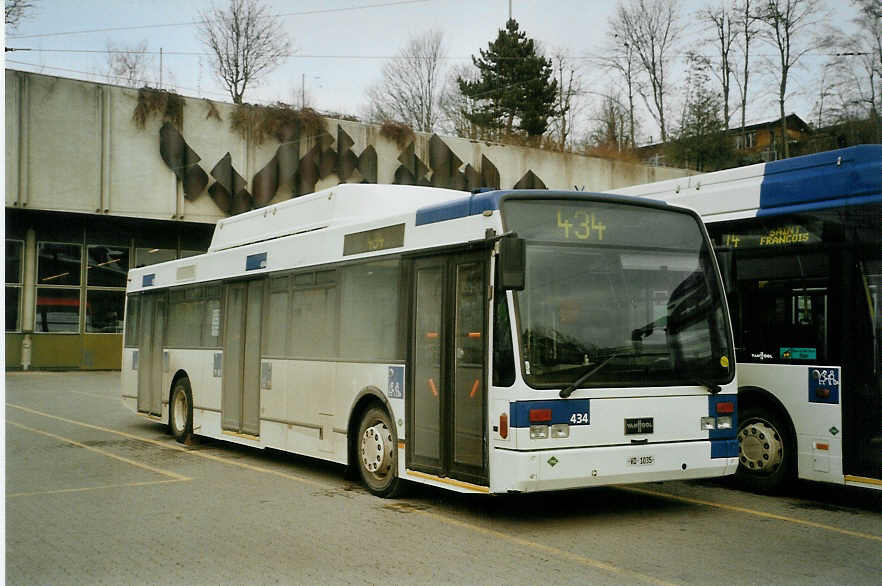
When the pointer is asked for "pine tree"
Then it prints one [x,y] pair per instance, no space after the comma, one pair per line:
[514,89]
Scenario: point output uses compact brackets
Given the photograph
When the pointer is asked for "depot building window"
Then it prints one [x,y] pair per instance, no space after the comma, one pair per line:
[59,267]
[106,272]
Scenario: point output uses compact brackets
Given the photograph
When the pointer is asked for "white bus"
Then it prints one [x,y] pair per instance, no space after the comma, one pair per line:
[800,245]
[504,341]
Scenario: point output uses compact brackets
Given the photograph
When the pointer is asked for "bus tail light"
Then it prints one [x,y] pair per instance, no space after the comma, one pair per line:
[725,407]
[503,426]
[724,422]
[708,423]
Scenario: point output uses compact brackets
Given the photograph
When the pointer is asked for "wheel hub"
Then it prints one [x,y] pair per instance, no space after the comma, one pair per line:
[376,449]
[760,446]
[180,408]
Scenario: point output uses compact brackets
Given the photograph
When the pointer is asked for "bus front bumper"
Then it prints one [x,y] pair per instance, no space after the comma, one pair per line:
[556,469]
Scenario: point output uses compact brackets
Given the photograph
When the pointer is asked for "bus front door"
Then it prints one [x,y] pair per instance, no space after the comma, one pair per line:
[240,401]
[446,402]
[150,361]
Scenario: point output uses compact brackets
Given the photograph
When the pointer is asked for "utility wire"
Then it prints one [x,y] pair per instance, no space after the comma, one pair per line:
[360,56]
[192,22]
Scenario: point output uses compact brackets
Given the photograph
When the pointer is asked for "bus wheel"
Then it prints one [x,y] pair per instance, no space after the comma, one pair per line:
[765,451]
[378,453]
[180,418]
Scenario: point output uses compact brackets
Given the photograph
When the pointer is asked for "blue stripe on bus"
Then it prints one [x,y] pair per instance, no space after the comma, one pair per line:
[821,205]
[562,411]
[849,176]
[727,448]
[459,208]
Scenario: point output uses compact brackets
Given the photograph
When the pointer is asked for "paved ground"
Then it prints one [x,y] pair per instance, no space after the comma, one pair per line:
[98,495]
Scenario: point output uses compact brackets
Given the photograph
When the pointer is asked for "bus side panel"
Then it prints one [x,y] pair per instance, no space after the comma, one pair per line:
[204,385]
[306,404]
[129,378]
[818,425]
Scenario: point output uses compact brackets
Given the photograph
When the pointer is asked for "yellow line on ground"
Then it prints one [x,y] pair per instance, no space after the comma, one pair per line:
[754,512]
[96,395]
[168,473]
[171,446]
[89,488]
[547,549]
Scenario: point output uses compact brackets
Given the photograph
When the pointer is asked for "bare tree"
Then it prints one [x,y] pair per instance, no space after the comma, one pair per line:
[789,26]
[612,126]
[746,22]
[18,10]
[455,106]
[410,89]
[617,57]
[650,28]
[569,89]
[128,65]
[858,63]
[246,42]
[722,20]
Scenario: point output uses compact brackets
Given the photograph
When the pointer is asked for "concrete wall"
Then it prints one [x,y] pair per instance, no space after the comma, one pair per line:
[73,146]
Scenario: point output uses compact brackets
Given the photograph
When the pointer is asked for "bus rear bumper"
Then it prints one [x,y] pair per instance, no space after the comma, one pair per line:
[519,471]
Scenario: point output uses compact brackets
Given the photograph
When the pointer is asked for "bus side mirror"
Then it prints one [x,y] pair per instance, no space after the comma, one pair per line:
[511,264]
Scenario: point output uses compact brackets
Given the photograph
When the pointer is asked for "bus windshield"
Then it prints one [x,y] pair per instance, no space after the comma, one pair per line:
[626,291]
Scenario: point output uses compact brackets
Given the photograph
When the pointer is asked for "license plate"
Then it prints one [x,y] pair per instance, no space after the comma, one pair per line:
[638,425]
[641,460]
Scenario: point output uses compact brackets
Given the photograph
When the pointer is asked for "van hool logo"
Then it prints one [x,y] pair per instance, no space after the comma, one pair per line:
[638,425]
[761,356]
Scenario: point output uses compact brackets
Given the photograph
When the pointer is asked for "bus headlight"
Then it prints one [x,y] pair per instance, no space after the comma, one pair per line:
[724,422]
[559,430]
[708,423]
[538,432]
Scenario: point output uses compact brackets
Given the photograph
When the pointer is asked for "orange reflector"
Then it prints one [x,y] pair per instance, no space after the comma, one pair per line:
[433,388]
[503,425]
[474,389]
[431,335]
[474,334]
[821,446]
[726,407]
[540,415]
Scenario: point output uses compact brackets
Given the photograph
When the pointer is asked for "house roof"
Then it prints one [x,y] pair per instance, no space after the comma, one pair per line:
[794,122]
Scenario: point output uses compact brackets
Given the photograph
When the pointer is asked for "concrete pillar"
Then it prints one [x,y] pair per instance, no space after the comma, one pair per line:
[28,294]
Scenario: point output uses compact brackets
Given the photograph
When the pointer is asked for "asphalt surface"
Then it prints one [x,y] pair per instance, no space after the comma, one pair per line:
[98,495]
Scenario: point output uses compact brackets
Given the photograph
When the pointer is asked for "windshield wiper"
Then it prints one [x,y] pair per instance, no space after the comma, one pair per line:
[569,390]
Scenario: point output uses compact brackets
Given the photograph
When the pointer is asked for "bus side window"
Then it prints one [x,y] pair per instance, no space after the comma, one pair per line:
[314,316]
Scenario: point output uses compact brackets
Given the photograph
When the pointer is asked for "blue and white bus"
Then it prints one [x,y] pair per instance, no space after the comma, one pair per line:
[800,245]
[503,341]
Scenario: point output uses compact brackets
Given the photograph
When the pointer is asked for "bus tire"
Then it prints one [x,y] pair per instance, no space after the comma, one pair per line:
[180,411]
[766,454]
[377,453]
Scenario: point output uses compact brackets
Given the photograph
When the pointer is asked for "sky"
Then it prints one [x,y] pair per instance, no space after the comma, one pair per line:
[339,46]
